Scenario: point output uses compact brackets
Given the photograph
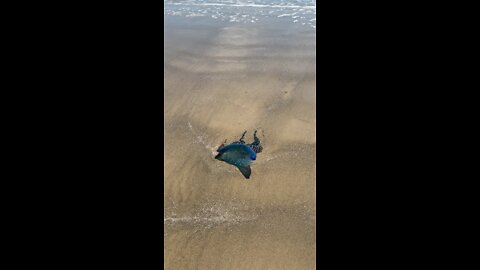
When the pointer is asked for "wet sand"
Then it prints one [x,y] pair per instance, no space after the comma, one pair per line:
[221,79]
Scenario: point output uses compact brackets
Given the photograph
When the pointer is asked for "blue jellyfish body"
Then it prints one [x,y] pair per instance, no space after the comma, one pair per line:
[240,154]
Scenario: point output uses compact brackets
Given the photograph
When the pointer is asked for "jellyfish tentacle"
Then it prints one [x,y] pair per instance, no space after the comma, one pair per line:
[241,141]
[256,145]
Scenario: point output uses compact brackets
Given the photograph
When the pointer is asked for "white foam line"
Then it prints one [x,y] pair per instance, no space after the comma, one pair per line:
[201,140]
[245,5]
[207,220]
[284,15]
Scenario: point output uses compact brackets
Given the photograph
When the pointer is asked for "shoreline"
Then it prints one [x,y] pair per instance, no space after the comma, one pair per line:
[220,80]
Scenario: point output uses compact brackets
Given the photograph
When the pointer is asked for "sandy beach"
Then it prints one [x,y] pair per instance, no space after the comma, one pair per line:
[220,79]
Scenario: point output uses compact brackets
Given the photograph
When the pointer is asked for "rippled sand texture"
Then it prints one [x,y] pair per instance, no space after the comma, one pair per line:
[220,79]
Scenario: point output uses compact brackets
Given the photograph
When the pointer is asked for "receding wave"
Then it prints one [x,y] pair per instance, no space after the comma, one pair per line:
[299,12]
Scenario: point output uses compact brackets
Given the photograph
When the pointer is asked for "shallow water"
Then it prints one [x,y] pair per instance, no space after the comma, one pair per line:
[222,77]
[302,12]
